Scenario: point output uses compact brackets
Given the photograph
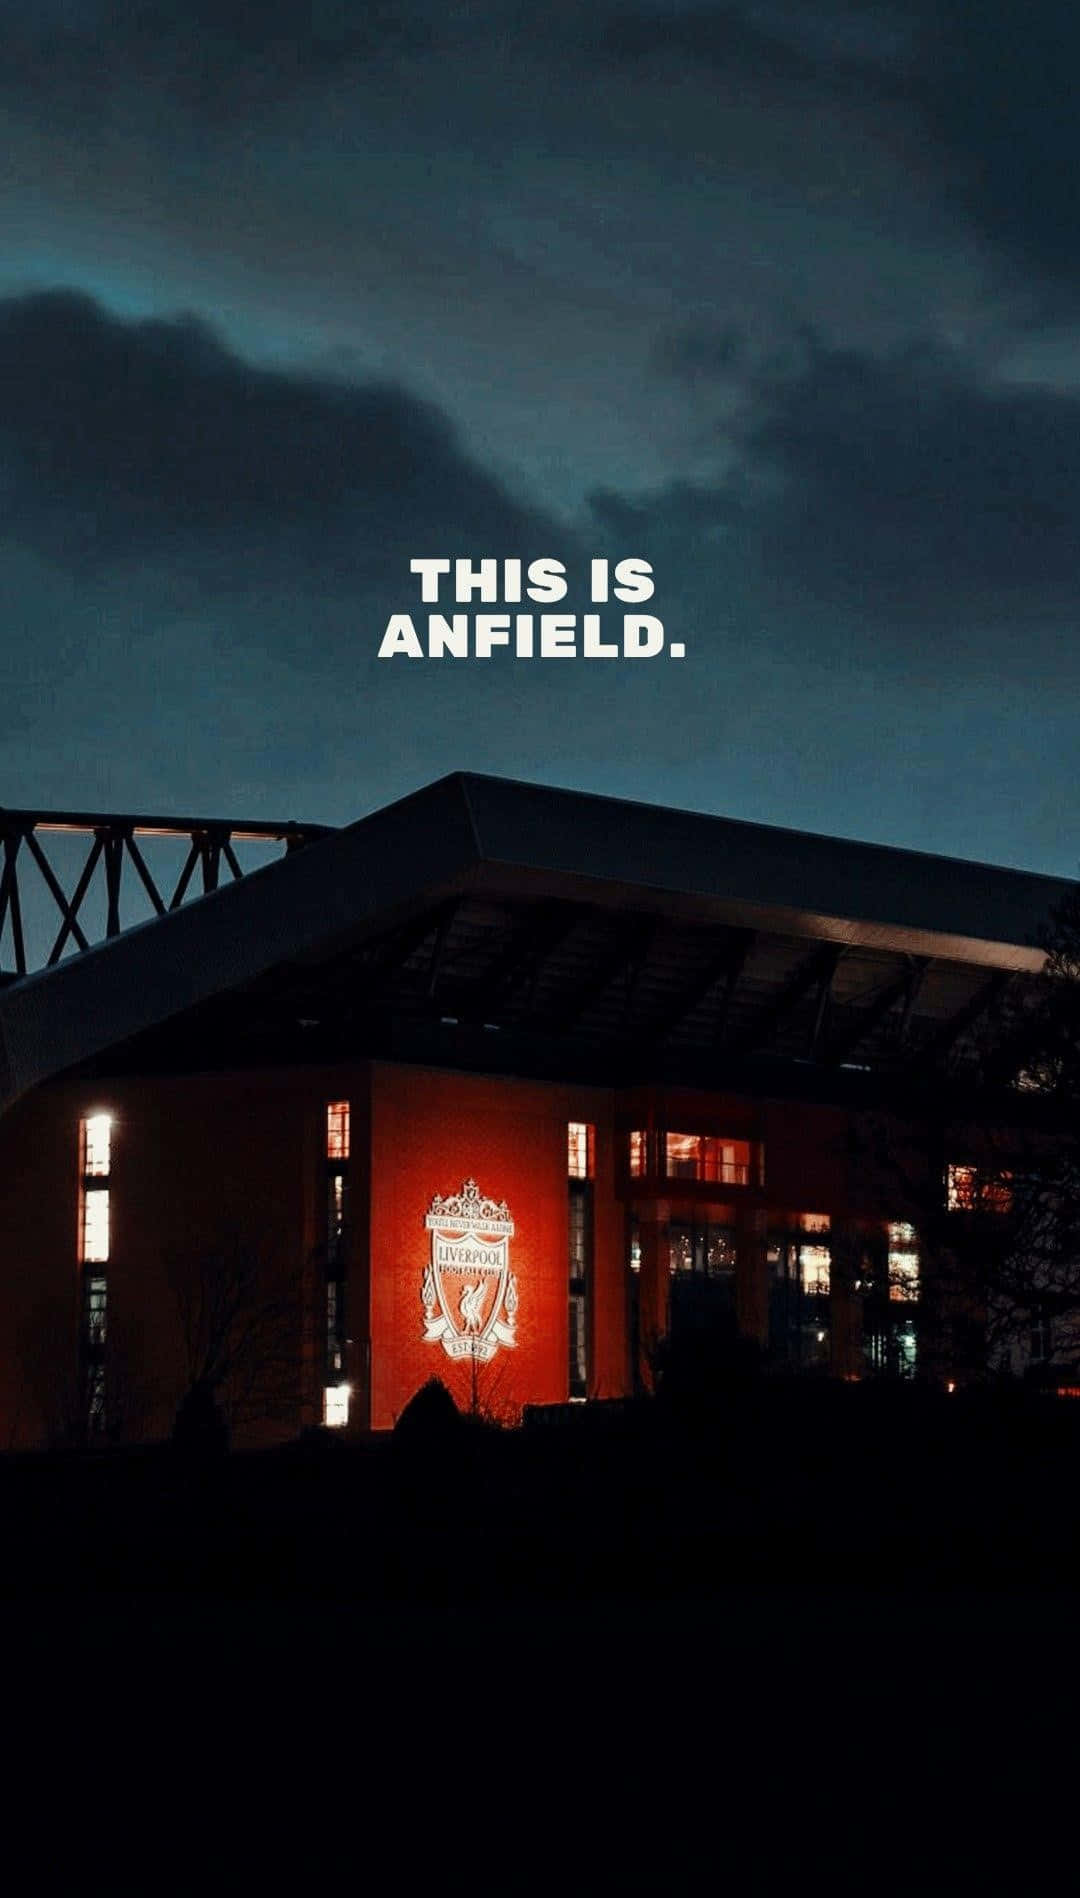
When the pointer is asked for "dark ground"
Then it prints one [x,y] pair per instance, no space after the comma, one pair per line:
[772,1486]
[840,1619]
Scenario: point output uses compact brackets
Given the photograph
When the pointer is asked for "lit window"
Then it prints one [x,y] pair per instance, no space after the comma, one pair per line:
[95,1159]
[95,1163]
[337,1220]
[581,1142]
[336,1406]
[960,1188]
[702,1157]
[94,1233]
[96,1145]
[815,1262]
[903,1262]
[335,1217]
[337,1130]
[638,1155]
[968,1190]
[580,1196]
[702,1248]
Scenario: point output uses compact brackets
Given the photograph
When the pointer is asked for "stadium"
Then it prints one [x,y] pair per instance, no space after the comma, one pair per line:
[502,1084]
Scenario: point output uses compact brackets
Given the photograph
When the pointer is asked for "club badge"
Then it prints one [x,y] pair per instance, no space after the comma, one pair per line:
[469,1293]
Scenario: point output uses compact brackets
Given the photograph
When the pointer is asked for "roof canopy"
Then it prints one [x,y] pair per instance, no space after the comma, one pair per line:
[483,922]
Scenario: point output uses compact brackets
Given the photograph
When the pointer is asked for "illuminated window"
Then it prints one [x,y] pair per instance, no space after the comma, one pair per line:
[639,1155]
[703,1157]
[814,1222]
[95,1165]
[968,1189]
[960,1182]
[336,1406]
[96,1140]
[337,1130]
[337,1214]
[581,1144]
[815,1262]
[580,1276]
[95,1159]
[702,1248]
[94,1235]
[799,1264]
[903,1263]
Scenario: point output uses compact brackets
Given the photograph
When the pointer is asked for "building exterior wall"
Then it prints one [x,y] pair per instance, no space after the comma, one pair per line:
[210,1183]
[214,1169]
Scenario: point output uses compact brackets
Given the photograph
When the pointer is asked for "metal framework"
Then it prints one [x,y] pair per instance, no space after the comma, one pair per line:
[114,843]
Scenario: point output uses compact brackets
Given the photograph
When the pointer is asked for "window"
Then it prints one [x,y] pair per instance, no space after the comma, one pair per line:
[96,1145]
[800,1277]
[581,1150]
[703,1248]
[639,1155]
[959,1188]
[336,1406]
[903,1263]
[335,1216]
[581,1140]
[337,1212]
[94,1310]
[816,1262]
[703,1157]
[1042,1341]
[969,1189]
[95,1160]
[94,1245]
[94,1239]
[337,1130]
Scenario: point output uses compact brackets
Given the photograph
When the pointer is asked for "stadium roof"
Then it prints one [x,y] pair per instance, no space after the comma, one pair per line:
[487,923]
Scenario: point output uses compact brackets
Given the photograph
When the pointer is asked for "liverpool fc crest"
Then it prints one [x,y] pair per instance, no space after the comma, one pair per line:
[469,1293]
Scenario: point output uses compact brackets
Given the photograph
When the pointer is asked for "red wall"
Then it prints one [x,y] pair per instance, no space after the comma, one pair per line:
[198,1160]
[431,1132]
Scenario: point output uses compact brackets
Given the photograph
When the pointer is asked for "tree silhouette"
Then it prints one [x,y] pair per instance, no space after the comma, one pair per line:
[240,1328]
[990,1178]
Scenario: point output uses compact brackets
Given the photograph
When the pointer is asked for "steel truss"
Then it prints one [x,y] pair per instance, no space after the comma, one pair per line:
[115,844]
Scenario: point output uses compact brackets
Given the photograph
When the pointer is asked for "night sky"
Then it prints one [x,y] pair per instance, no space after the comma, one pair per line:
[784,298]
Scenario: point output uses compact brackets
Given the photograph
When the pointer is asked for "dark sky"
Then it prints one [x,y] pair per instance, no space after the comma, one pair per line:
[783,297]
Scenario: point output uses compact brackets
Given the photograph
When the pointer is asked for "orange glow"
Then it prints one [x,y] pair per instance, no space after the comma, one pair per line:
[968,1190]
[581,1146]
[816,1262]
[337,1130]
[704,1157]
[638,1155]
[814,1222]
[903,1263]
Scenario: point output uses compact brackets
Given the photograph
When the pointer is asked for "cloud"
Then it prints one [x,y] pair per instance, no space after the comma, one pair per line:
[999,83]
[212,58]
[890,487]
[123,443]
